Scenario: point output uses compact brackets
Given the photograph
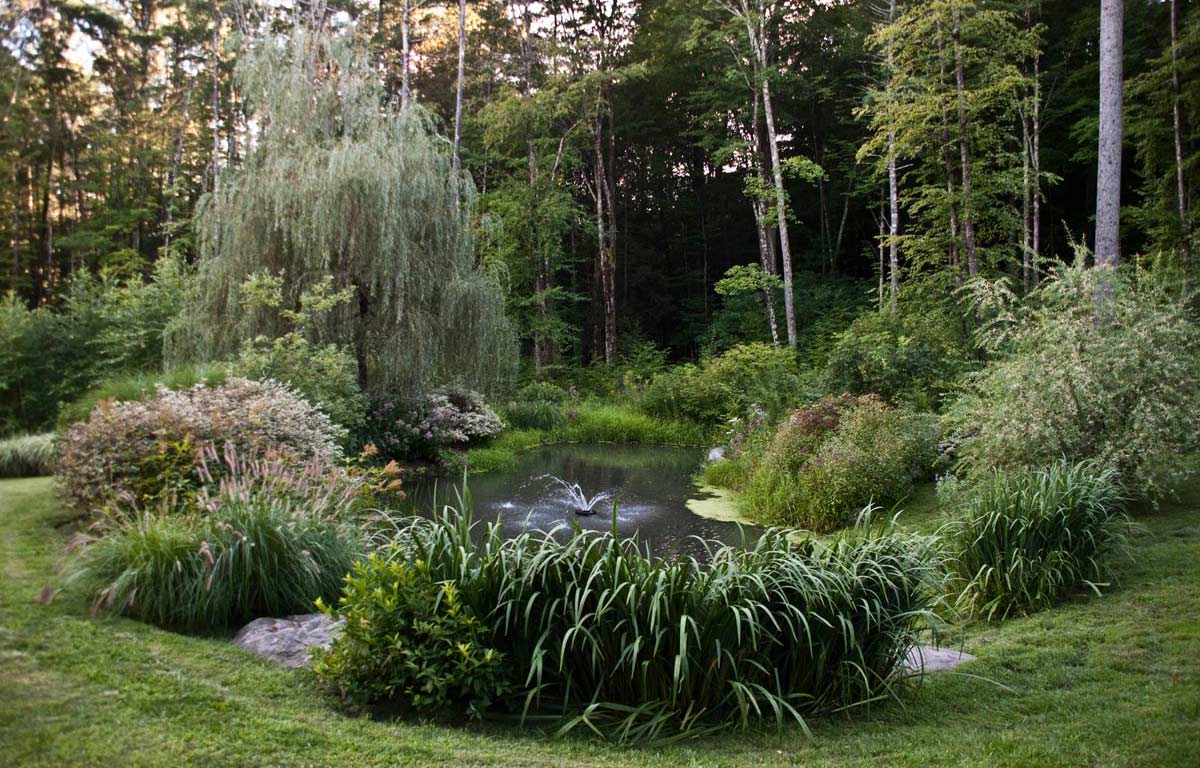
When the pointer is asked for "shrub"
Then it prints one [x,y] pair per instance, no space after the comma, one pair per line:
[634,648]
[252,552]
[325,375]
[425,427]
[887,356]
[534,414]
[1117,385]
[409,641]
[726,386]
[27,455]
[541,392]
[827,461]
[1026,539]
[139,386]
[148,449]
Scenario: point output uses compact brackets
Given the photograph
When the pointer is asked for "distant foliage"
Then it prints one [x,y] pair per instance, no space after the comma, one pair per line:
[143,450]
[1117,385]
[726,386]
[411,641]
[425,427]
[772,632]
[27,455]
[52,355]
[1025,540]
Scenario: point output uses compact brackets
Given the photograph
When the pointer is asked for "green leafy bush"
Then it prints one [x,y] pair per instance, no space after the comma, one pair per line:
[253,549]
[636,648]
[147,449]
[27,455]
[895,359]
[541,392]
[534,414]
[1117,385]
[324,375]
[825,462]
[1025,540]
[726,386]
[409,641]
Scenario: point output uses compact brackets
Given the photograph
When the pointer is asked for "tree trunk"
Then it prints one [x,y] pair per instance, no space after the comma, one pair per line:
[405,12]
[216,106]
[893,193]
[1108,164]
[1026,203]
[1180,191]
[785,249]
[1036,162]
[948,162]
[458,96]
[964,149]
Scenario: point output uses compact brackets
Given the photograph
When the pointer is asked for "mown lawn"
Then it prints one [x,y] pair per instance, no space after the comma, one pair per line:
[1106,681]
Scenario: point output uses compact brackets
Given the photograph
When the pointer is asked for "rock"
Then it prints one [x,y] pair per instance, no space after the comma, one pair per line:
[717,454]
[927,658]
[287,641]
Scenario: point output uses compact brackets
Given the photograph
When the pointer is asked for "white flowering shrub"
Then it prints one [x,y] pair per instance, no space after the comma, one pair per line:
[423,427]
[140,450]
[1115,383]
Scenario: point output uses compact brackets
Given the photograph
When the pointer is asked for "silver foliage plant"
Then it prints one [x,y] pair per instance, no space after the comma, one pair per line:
[338,183]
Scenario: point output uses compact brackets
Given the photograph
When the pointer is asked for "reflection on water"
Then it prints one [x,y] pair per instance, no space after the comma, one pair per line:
[650,485]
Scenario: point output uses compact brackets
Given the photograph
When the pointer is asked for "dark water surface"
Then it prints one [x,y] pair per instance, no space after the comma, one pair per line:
[651,486]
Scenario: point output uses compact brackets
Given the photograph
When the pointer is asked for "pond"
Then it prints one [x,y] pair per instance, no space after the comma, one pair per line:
[657,499]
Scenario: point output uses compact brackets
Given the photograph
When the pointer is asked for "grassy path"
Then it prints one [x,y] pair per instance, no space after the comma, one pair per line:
[1113,681]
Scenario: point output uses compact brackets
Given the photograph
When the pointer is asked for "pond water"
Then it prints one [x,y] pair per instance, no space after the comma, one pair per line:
[652,486]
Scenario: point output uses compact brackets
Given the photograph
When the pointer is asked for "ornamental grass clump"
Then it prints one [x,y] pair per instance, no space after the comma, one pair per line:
[27,455]
[598,635]
[255,546]
[1025,540]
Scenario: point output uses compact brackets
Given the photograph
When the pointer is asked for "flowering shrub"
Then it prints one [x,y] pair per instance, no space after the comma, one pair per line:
[823,462]
[1116,385]
[423,428]
[141,450]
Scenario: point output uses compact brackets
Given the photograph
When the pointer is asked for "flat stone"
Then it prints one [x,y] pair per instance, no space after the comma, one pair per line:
[287,641]
[927,658]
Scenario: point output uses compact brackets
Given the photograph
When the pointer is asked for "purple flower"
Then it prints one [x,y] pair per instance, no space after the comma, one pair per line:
[428,435]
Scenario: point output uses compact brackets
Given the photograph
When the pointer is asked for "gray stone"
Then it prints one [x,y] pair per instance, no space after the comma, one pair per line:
[716,454]
[287,641]
[927,658]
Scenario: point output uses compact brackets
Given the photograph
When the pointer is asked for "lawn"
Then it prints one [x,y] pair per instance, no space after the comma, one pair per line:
[1100,681]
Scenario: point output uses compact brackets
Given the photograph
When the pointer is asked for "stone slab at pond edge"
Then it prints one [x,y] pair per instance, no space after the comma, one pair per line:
[287,641]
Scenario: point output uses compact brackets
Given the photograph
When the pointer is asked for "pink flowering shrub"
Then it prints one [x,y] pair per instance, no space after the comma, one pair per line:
[139,451]
[425,427]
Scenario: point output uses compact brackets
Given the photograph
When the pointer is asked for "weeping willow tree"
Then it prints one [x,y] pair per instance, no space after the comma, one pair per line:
[340,185]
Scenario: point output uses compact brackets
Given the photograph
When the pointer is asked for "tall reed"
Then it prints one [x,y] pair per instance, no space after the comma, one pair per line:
[1025,540]
[27,455]
[600,635]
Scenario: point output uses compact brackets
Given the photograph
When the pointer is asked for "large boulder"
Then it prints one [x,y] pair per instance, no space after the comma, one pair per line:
[287,641]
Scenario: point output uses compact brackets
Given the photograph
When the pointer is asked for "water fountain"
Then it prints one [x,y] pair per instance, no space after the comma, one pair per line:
[580,501]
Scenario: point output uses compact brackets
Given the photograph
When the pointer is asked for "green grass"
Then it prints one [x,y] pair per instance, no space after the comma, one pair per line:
[1106,681]
[587,422]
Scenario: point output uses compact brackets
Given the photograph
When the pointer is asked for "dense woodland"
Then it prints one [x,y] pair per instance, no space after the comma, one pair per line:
[626,155]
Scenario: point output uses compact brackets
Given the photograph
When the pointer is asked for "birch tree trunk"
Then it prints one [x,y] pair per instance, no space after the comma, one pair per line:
[964,149]
[893,193]
[1108,163]
[1180,191]
[766,254]
[785,249]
